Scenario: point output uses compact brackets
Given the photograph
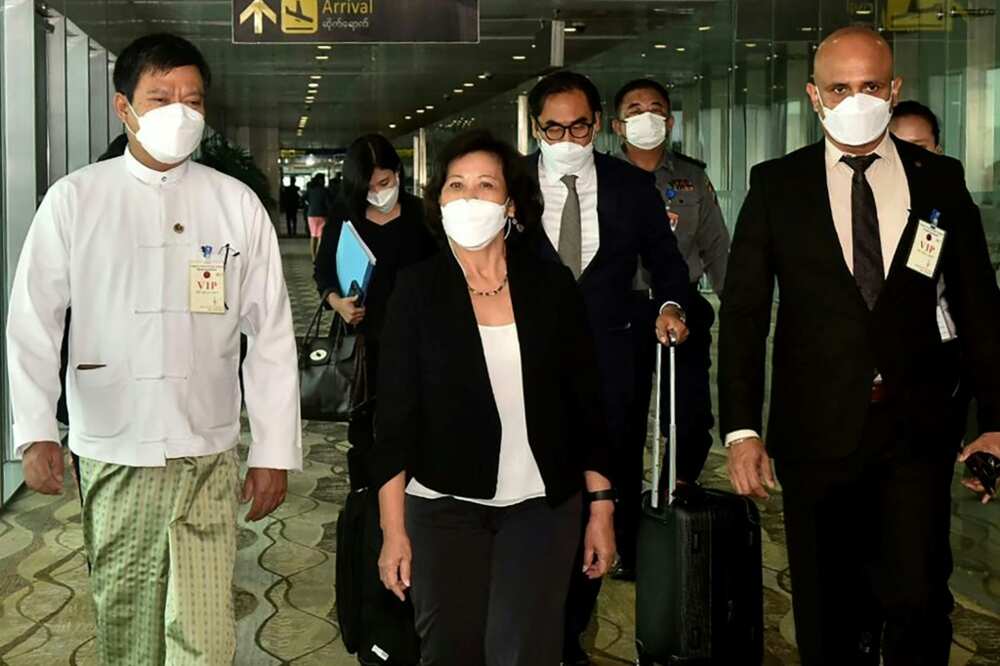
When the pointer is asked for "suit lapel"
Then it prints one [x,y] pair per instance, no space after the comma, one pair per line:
[919,209]
[606,205]
[818,197]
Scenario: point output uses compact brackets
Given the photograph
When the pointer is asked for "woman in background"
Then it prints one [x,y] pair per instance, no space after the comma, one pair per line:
[391,223]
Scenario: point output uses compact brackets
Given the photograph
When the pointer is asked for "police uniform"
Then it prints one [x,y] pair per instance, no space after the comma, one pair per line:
[691,208]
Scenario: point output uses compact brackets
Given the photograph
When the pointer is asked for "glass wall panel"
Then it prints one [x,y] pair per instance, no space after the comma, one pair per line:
[56,50]
[98,100]
[77,97]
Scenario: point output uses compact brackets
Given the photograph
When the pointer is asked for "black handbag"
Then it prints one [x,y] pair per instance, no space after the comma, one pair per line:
[331,371]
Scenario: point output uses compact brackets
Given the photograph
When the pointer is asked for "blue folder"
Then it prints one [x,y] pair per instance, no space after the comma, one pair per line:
[355,263]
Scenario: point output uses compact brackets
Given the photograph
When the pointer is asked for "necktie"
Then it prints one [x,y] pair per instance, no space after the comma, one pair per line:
[569,229]
[869,271]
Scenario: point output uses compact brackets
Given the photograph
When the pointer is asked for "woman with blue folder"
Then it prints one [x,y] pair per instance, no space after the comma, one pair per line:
[390,222]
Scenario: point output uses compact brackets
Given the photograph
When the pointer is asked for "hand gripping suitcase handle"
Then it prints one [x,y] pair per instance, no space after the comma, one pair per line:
[672,428]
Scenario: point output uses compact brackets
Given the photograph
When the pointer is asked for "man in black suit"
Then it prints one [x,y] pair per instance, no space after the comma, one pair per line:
[864,424]
[601,214]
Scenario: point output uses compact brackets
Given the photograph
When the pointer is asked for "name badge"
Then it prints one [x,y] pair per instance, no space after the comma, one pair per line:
[207,287]
[926,250]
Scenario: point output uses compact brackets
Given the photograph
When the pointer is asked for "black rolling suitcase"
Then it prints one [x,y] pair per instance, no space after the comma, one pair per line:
[699,598]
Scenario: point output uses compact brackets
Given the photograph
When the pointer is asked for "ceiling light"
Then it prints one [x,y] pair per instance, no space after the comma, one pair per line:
[751,45]
[458,91]
[429,107]
[324,47]
[863,12]
[314,85]
[469,84]
[806,28]
[704,28]
[315,77]
[569,28]
[659,46]
[484,76]
[392,125]
[681,49]
[519,57]
[407,117]
[420,110]
[322,57]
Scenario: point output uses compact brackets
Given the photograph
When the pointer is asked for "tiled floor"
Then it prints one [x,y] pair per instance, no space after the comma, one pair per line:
[285,573]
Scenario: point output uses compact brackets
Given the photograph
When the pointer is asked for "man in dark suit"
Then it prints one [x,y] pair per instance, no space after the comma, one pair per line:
[601,214]
[864,424]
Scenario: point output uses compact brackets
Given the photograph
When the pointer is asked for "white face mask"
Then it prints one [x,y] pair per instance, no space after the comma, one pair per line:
[566,157]
[170,133]
[385,200]
[857,120]
[646,131]
[473,223]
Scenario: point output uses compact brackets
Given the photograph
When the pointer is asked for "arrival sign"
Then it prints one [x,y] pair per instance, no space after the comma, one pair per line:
[355,21]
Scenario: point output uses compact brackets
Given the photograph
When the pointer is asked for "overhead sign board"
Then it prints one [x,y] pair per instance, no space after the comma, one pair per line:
[919,15]
[355,21]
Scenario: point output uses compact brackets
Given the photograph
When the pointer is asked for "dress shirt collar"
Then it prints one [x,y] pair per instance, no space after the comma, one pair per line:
[886,150]
[152,177]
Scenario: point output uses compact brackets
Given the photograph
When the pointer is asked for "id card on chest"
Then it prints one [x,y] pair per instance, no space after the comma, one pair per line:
[927,244]
[207,287]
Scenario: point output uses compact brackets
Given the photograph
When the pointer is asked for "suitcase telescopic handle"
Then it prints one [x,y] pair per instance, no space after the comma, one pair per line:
[672,428]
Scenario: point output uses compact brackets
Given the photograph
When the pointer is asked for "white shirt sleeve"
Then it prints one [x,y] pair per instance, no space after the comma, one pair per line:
[270,370]
[36,319]
[737,435]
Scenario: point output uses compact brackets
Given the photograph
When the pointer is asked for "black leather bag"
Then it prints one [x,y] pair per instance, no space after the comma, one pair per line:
[331,371]
[374,624]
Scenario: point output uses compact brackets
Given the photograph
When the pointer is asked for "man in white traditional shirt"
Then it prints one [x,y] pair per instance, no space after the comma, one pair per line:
[165,262]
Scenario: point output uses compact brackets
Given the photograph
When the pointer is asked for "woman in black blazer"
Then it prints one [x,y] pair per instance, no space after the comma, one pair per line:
[490,432]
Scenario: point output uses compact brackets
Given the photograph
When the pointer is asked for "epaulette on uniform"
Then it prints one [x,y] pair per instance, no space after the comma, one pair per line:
[690,160]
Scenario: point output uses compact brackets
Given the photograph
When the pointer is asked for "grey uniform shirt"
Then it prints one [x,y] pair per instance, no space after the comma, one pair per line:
[701,232]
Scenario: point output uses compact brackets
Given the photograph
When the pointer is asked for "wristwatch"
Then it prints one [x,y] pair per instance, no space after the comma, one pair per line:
[600,495]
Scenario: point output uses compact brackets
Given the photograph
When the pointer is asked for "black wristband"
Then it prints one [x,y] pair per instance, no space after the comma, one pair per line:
[601,495]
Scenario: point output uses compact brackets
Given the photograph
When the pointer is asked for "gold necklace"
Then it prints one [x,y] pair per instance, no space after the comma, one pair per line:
[491,292]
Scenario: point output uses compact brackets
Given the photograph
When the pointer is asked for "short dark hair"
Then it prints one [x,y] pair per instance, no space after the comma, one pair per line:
[364,155]
[562,82]
[156,53]
[642,84]
[913,108]
[522,187]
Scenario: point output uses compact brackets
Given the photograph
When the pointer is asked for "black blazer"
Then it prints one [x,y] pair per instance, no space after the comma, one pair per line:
[633,224]
[827,344]
[437,417]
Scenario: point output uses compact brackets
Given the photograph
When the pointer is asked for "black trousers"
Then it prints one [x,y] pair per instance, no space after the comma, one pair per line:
[489,583]
[868,550]
[694,409]
[291,222]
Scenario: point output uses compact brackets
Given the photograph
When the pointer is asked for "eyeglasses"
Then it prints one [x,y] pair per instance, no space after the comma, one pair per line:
[555,131]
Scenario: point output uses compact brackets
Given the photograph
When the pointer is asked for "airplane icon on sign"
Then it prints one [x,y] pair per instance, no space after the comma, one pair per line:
[299,16]
[298,13]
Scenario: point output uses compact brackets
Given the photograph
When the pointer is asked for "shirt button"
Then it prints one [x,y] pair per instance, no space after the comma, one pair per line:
[179,228]
[163,179]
